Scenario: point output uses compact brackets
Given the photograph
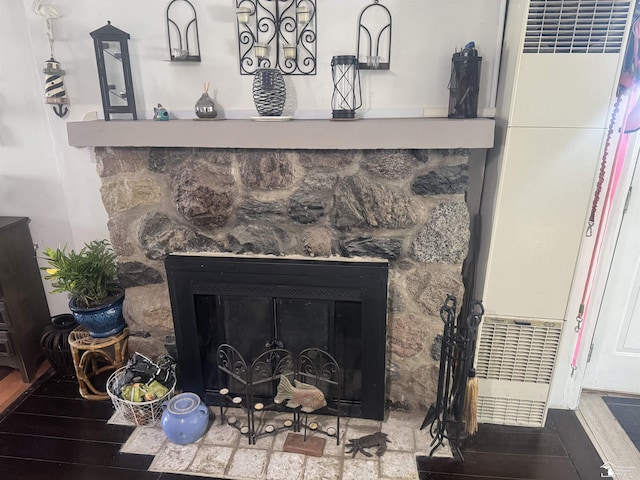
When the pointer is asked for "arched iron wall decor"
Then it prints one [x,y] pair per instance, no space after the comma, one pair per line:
[277,34]
[374,38]
[184,43]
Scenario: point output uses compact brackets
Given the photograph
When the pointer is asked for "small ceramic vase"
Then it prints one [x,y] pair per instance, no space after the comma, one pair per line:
[185,418]
[205,106]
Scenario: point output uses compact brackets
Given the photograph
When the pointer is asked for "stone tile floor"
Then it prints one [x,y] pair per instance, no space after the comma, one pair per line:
[223,452]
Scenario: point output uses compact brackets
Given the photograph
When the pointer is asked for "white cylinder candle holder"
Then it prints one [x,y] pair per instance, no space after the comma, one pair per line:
[373,61]
[261,50]
[243,14]
[303,12]
[179,54]
[290,51]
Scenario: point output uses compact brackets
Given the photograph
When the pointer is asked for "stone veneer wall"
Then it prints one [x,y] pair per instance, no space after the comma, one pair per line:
[407,206]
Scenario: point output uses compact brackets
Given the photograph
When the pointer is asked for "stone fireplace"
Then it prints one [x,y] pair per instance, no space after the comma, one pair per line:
[406,207]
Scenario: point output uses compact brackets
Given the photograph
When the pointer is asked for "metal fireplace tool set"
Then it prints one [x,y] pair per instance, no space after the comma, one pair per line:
[454,411]
[307,381]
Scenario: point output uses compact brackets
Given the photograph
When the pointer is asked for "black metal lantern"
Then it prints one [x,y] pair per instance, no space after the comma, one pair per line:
[347,97]
[114,71]
[374,37]
[184,43]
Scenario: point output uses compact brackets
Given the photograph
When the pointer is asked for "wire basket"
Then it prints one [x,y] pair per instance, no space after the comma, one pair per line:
[139,413]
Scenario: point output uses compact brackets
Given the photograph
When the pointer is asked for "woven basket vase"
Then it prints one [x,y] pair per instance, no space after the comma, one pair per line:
[269,92]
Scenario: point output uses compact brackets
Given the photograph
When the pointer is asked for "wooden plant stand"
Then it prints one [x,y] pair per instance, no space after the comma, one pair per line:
[94,356]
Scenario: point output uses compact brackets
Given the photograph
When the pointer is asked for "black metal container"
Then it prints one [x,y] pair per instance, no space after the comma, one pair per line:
[464,84]
[55,344]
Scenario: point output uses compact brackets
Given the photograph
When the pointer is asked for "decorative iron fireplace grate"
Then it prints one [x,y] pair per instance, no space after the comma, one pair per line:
[257,303]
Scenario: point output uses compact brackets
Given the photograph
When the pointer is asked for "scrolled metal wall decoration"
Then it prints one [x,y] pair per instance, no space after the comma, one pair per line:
[277,34]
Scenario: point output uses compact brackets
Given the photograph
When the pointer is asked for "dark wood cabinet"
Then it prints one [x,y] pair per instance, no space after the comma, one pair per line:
[23,305]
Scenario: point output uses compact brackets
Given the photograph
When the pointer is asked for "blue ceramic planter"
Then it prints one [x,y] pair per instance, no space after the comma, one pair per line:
[185,418]
[102,321]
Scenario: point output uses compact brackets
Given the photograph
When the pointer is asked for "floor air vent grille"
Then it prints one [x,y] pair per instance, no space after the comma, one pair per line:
[509,411]
[515,359]
[576,26]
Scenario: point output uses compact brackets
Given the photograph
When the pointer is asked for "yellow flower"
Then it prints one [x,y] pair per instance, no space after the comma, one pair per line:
[52,271]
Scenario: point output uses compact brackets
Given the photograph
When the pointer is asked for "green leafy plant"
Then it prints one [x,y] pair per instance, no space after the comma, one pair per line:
[89,275]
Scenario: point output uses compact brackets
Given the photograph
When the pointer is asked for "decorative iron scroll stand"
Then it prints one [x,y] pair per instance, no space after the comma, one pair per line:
[456,358]
[312,366]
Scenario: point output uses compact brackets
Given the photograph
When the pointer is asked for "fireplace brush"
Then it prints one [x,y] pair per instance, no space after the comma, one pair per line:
[468,403]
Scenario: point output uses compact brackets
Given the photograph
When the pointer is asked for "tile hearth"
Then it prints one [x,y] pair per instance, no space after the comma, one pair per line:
[224,453]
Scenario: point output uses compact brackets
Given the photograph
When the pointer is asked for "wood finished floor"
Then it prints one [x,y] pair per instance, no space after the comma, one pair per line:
[50,432]
[560,451]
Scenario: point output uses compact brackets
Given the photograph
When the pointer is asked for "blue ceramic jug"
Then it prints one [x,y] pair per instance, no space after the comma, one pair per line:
[184,419]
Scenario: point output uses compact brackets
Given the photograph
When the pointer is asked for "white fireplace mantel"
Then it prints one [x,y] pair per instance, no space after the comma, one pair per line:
[375,133]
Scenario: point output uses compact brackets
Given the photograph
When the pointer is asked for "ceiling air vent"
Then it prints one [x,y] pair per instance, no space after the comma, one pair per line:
[576,26]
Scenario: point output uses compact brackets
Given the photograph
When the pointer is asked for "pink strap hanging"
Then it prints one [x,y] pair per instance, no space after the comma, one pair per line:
[630,84]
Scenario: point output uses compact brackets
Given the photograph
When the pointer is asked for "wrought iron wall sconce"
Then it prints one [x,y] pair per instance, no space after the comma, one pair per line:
[374,37]
[114,71]
[184,43]
[277,34]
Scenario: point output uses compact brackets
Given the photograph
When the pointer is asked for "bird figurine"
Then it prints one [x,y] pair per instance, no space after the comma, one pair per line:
[46,10]
[49,12]
[160,113]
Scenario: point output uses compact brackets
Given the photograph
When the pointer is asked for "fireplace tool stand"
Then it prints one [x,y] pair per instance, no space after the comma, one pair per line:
[246,383]
[445,417]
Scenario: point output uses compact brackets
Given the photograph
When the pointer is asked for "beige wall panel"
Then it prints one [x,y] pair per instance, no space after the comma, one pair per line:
[541,207]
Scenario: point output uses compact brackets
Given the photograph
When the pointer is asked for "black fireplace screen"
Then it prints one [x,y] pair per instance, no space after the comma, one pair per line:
[259,303]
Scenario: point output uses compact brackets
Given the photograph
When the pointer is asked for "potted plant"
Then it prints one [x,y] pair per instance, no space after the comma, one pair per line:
[90,278]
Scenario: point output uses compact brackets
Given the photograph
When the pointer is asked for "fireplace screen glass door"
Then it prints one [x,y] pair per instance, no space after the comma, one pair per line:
[254,304]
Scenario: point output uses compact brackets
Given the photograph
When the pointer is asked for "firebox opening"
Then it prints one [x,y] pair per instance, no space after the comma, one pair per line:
[256,303]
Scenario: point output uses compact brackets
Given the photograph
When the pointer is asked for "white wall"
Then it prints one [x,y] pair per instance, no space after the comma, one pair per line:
[56,185]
